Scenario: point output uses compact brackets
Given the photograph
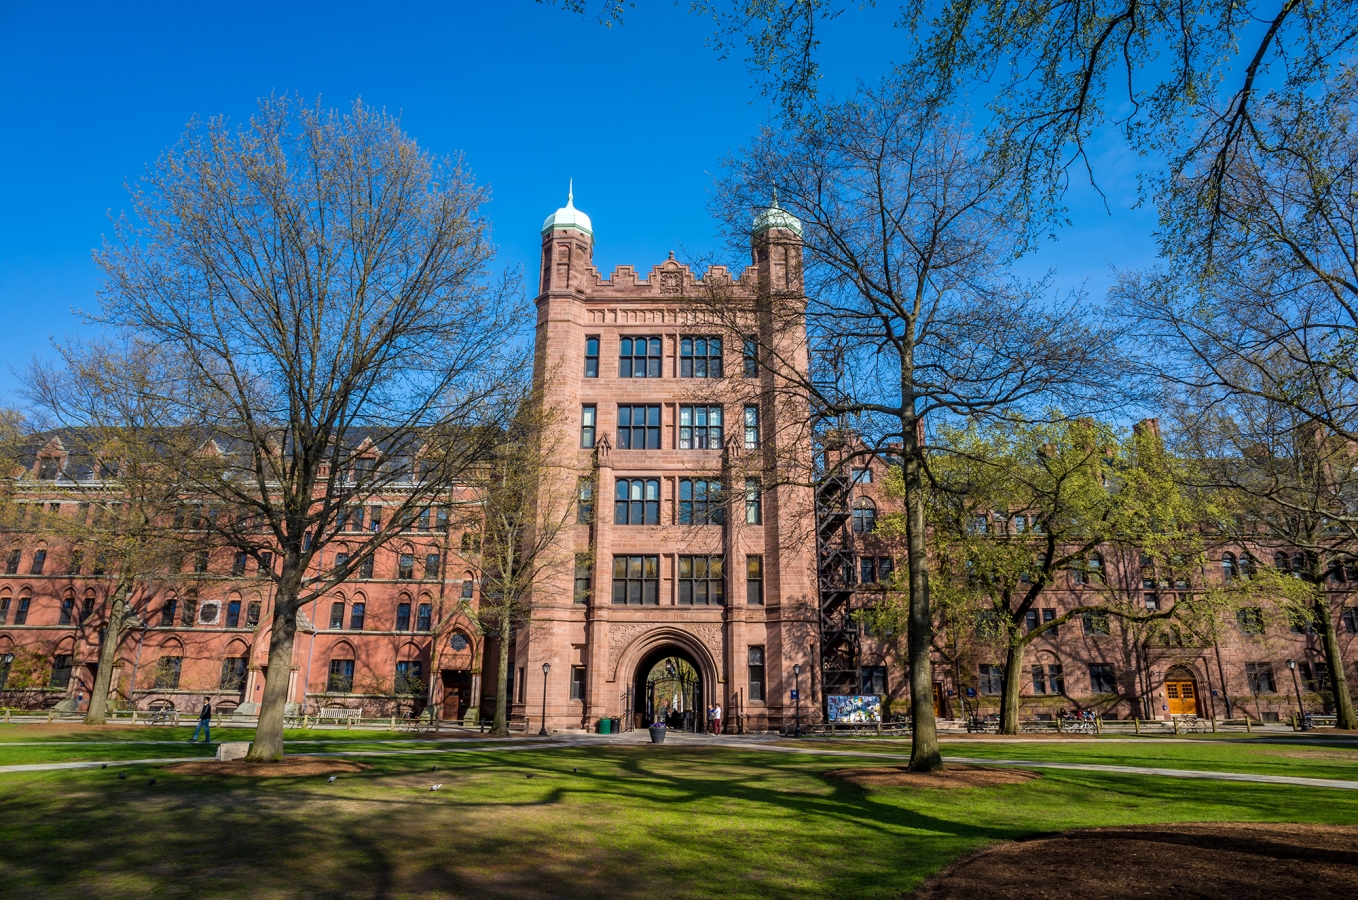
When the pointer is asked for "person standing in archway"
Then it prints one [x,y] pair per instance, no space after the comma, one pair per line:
[716,718]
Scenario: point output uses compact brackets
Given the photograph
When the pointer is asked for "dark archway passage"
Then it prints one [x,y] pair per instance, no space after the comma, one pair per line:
[668,686]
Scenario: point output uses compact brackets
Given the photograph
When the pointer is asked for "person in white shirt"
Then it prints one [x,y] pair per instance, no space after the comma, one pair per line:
[716,718]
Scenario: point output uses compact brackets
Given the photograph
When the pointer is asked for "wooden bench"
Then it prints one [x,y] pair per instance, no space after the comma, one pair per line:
[339,714]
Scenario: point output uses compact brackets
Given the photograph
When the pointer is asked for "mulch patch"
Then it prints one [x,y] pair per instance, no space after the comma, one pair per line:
[1230,861]
[289,767]
[949,777]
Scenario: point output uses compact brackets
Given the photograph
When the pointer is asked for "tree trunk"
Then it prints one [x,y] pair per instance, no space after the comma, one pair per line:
[1339,682]
[268,745]
[1013,684]
[1221,674]
[97,714]
[500,726]
[924,755]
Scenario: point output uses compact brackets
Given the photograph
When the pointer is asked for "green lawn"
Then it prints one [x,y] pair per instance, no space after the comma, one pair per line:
[642,821]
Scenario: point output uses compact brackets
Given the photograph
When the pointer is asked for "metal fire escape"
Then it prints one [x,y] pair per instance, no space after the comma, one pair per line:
[836,572]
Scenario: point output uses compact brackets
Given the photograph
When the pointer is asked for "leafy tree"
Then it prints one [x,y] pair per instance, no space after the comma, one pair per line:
[100,401]
[324,285]
[1015,506]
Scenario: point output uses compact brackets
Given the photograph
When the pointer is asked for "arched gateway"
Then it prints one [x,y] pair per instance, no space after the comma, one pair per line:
[669,671]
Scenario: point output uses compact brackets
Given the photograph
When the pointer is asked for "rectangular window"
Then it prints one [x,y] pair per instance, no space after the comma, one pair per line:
[356,614]
[341,560]
[167,672]
[12,562]
[86,608]
[252,614]
[1152,601]
[433,564]
[403,617]
[751,427]
[167,612]
[700,357]
[409,676]
[1250,620]
[265,563]
[636,580]
[700,428]
[991,680]
[238,564]
[1101,679]
[100,563]
[582,578]
[639,357]
[1030,621]
[1315,678]
[700,502]
[190,612]
[1049,615]
[754,580]
[1048,680]
[756,678]
[1350,619]
[592,356]
[861,476]
[365,568]
[577,682]
[67,608]
[4,612]
[750,357]
[754,502]
[21,614]
[872,680]
[639,427]
[1260,678]
[341,678]
[353,519]
[584,501]
[424,617]
[523,685]
[39,559]
[405,566]
[867,570]
[588,420]
[700,581]
[76,561]
[233,614]
[200,562]
[636,501]
[233,673]
[1095,624]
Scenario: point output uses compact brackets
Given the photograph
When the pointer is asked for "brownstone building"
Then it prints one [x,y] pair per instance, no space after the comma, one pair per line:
[698,540]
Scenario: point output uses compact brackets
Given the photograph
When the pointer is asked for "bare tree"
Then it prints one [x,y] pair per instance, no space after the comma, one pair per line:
[909,312]
[324,284]
[526,500]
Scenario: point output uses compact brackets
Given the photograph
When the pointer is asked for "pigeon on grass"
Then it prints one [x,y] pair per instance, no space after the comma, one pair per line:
[331,779]
[435,787]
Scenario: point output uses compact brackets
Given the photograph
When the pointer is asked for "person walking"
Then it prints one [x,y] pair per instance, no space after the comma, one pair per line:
[204,722]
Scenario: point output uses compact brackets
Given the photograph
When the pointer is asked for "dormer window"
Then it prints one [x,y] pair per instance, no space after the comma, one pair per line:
[48,468]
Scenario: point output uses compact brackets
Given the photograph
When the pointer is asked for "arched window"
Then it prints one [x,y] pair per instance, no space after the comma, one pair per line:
[1228,567]
[403,616]
[468,586]
[341,676]
[167,611]
[337,615]
[1281,562]
[1299,565]
[1249,566]
[864,516]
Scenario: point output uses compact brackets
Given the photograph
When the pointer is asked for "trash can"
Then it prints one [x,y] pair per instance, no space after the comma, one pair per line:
[605,726]
[617,725]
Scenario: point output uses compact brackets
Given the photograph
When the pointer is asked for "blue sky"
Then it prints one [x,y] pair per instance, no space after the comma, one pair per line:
[640,115]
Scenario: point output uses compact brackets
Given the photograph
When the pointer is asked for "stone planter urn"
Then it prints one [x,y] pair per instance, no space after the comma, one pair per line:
[658,734]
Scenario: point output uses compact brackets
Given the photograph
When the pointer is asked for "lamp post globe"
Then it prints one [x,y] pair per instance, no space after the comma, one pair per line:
[1296,686]
[546,667]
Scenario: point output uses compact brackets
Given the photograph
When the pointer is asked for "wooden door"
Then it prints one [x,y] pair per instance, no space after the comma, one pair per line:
[457,695]
[938,699]
[1181,697]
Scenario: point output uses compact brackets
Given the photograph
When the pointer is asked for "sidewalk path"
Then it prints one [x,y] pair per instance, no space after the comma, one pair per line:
[739,743]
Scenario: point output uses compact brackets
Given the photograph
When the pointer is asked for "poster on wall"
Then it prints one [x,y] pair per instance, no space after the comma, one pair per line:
[855,709]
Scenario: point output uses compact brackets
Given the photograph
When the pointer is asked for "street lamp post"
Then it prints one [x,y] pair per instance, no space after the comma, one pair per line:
[546,667]
[1296,685]
[797,694]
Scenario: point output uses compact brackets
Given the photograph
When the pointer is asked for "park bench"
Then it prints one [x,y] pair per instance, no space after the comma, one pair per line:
[162,712]
[339,714]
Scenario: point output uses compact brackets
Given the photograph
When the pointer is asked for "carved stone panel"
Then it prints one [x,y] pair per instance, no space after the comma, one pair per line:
[623,635]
